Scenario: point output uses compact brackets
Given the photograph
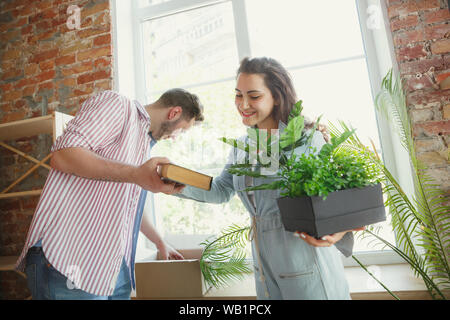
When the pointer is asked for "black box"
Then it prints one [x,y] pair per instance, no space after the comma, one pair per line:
[342,210]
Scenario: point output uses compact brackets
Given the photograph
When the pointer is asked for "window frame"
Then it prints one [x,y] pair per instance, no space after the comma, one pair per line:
[379,56]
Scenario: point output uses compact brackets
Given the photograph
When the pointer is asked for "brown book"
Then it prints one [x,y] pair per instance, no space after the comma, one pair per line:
[185,176]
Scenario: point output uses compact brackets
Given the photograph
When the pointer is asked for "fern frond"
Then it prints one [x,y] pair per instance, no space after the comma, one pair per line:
[223,258]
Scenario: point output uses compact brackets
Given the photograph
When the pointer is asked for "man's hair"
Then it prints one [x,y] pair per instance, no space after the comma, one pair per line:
[192,108]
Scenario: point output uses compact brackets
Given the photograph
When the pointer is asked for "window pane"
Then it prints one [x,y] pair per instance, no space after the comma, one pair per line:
[303,32]
[200,149]
[189,48]
[339,91]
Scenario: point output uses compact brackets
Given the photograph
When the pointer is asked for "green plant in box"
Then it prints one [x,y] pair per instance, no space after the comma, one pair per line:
[309,174]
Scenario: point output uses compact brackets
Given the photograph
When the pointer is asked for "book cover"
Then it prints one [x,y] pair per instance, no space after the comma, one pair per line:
[186,176]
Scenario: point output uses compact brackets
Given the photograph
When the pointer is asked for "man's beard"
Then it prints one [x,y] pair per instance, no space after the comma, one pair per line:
[166,128]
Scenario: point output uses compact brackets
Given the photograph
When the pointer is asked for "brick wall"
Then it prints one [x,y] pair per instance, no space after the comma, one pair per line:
[45,65]
[421,34]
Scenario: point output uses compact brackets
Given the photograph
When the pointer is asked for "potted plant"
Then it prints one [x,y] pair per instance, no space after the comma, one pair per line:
[322,191]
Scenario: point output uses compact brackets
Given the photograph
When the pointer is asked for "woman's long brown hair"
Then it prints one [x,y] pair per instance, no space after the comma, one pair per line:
[279,82]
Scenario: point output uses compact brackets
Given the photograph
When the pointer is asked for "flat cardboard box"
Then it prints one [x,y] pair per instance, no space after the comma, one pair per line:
[159,279]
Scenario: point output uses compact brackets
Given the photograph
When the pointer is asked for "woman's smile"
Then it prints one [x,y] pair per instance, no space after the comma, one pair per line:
[248,114]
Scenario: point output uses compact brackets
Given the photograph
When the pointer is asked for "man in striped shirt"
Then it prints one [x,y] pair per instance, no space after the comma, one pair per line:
[81,242]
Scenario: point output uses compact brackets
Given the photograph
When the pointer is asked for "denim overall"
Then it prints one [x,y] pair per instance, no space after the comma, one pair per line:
[285,266]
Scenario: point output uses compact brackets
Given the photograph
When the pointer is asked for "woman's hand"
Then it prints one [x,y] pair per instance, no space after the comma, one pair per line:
[326,241]
[168,253]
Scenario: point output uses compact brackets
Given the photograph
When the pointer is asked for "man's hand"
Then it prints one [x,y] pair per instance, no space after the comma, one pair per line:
[326,241]
[168,253]
[147,177]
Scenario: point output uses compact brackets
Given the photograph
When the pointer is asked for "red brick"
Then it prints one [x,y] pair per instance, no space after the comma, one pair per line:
[65,60]
[441,77]
[440,46]
[27,10]
[11,54]
[85,12]
[410,53]
[5,87]
[86,33]
[60,20]
[11,96]
[445,83]
[31,69]
[6,107]
[428,4]
[45,35]
[102,62]
[391,2]
[102,40]
[13,116]
[103,85]
[94,53]
[404,23]
[411,7]
[47,75]
[437,16]
[439,31]
[43,25]
[102,18]
[50,54]
[19,22]
[48,64]
[10,74]
[46,14]
[432,128]
[428,98]
[418,83]
[422,66]
[10,35]
[8,64]
[78,68]
[89,77]
[69,82]
[27,29]
[20,104]
[25,82]
[86,23]
[44,4]
[408,37]
[86,90]
[29,91]
[446,111]
[45,86]
[402,9]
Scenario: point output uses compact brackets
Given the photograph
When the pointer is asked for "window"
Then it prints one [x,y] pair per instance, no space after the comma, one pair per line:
[197,45]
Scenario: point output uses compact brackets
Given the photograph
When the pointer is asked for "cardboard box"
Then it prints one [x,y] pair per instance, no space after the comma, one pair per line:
[170,278]
[342,210]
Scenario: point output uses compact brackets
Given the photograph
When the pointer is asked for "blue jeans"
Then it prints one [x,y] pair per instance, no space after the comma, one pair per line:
[47,283]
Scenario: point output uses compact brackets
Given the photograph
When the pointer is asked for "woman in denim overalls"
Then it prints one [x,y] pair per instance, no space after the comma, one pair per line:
[285,266]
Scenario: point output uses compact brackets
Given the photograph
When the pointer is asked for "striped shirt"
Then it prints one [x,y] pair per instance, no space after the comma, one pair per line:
[85,225]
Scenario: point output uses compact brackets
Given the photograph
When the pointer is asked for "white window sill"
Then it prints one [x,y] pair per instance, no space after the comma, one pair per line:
[398,278]
[385,265]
